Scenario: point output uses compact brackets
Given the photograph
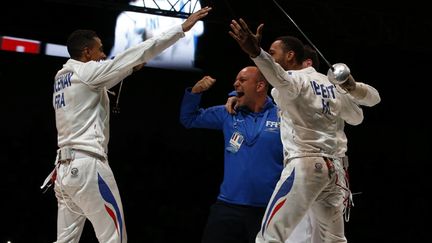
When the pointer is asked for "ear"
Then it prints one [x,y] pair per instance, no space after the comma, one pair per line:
[260,86]
[307,63]
[290,55]
[86,53]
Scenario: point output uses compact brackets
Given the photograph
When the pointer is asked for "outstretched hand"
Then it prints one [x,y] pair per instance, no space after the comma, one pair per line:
[203,84]
[248,41]
[194,18]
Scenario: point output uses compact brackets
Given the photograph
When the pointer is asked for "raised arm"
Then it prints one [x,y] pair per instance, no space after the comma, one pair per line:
[248,41]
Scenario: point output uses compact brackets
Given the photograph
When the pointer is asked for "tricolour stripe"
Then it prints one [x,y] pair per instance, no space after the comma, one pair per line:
[278,200]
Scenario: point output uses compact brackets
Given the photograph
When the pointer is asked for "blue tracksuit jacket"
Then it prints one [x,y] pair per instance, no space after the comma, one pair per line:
[251,173]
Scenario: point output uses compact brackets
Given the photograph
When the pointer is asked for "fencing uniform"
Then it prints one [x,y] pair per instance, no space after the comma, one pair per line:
[310,109]
[84,183]
[306,231]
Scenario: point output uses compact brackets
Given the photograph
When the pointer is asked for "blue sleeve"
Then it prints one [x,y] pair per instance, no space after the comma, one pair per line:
[192,116]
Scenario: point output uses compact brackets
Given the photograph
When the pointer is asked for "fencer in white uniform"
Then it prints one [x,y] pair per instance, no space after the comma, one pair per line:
[84,184]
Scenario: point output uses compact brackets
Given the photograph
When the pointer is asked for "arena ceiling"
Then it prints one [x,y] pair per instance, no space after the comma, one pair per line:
[356,22]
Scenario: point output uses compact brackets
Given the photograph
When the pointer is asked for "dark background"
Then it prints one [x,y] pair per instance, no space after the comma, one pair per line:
[169,176]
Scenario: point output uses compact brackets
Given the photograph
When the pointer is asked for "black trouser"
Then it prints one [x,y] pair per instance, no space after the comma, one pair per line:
[231,223]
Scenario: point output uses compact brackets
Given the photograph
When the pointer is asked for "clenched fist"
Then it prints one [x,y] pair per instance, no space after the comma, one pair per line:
[202,85]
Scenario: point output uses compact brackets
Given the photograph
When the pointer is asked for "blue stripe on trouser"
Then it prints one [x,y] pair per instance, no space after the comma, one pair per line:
[283,191]
[109,197]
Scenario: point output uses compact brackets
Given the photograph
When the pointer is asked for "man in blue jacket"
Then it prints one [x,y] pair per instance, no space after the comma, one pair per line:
[252,158]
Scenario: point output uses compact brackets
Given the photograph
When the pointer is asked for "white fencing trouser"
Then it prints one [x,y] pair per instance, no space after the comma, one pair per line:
[86,189]
[307,183]
[302,233]
[306,231]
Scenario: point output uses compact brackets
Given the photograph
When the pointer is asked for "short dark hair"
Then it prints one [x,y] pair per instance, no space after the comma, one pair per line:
[291,43]
[78,40]
[310,53]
